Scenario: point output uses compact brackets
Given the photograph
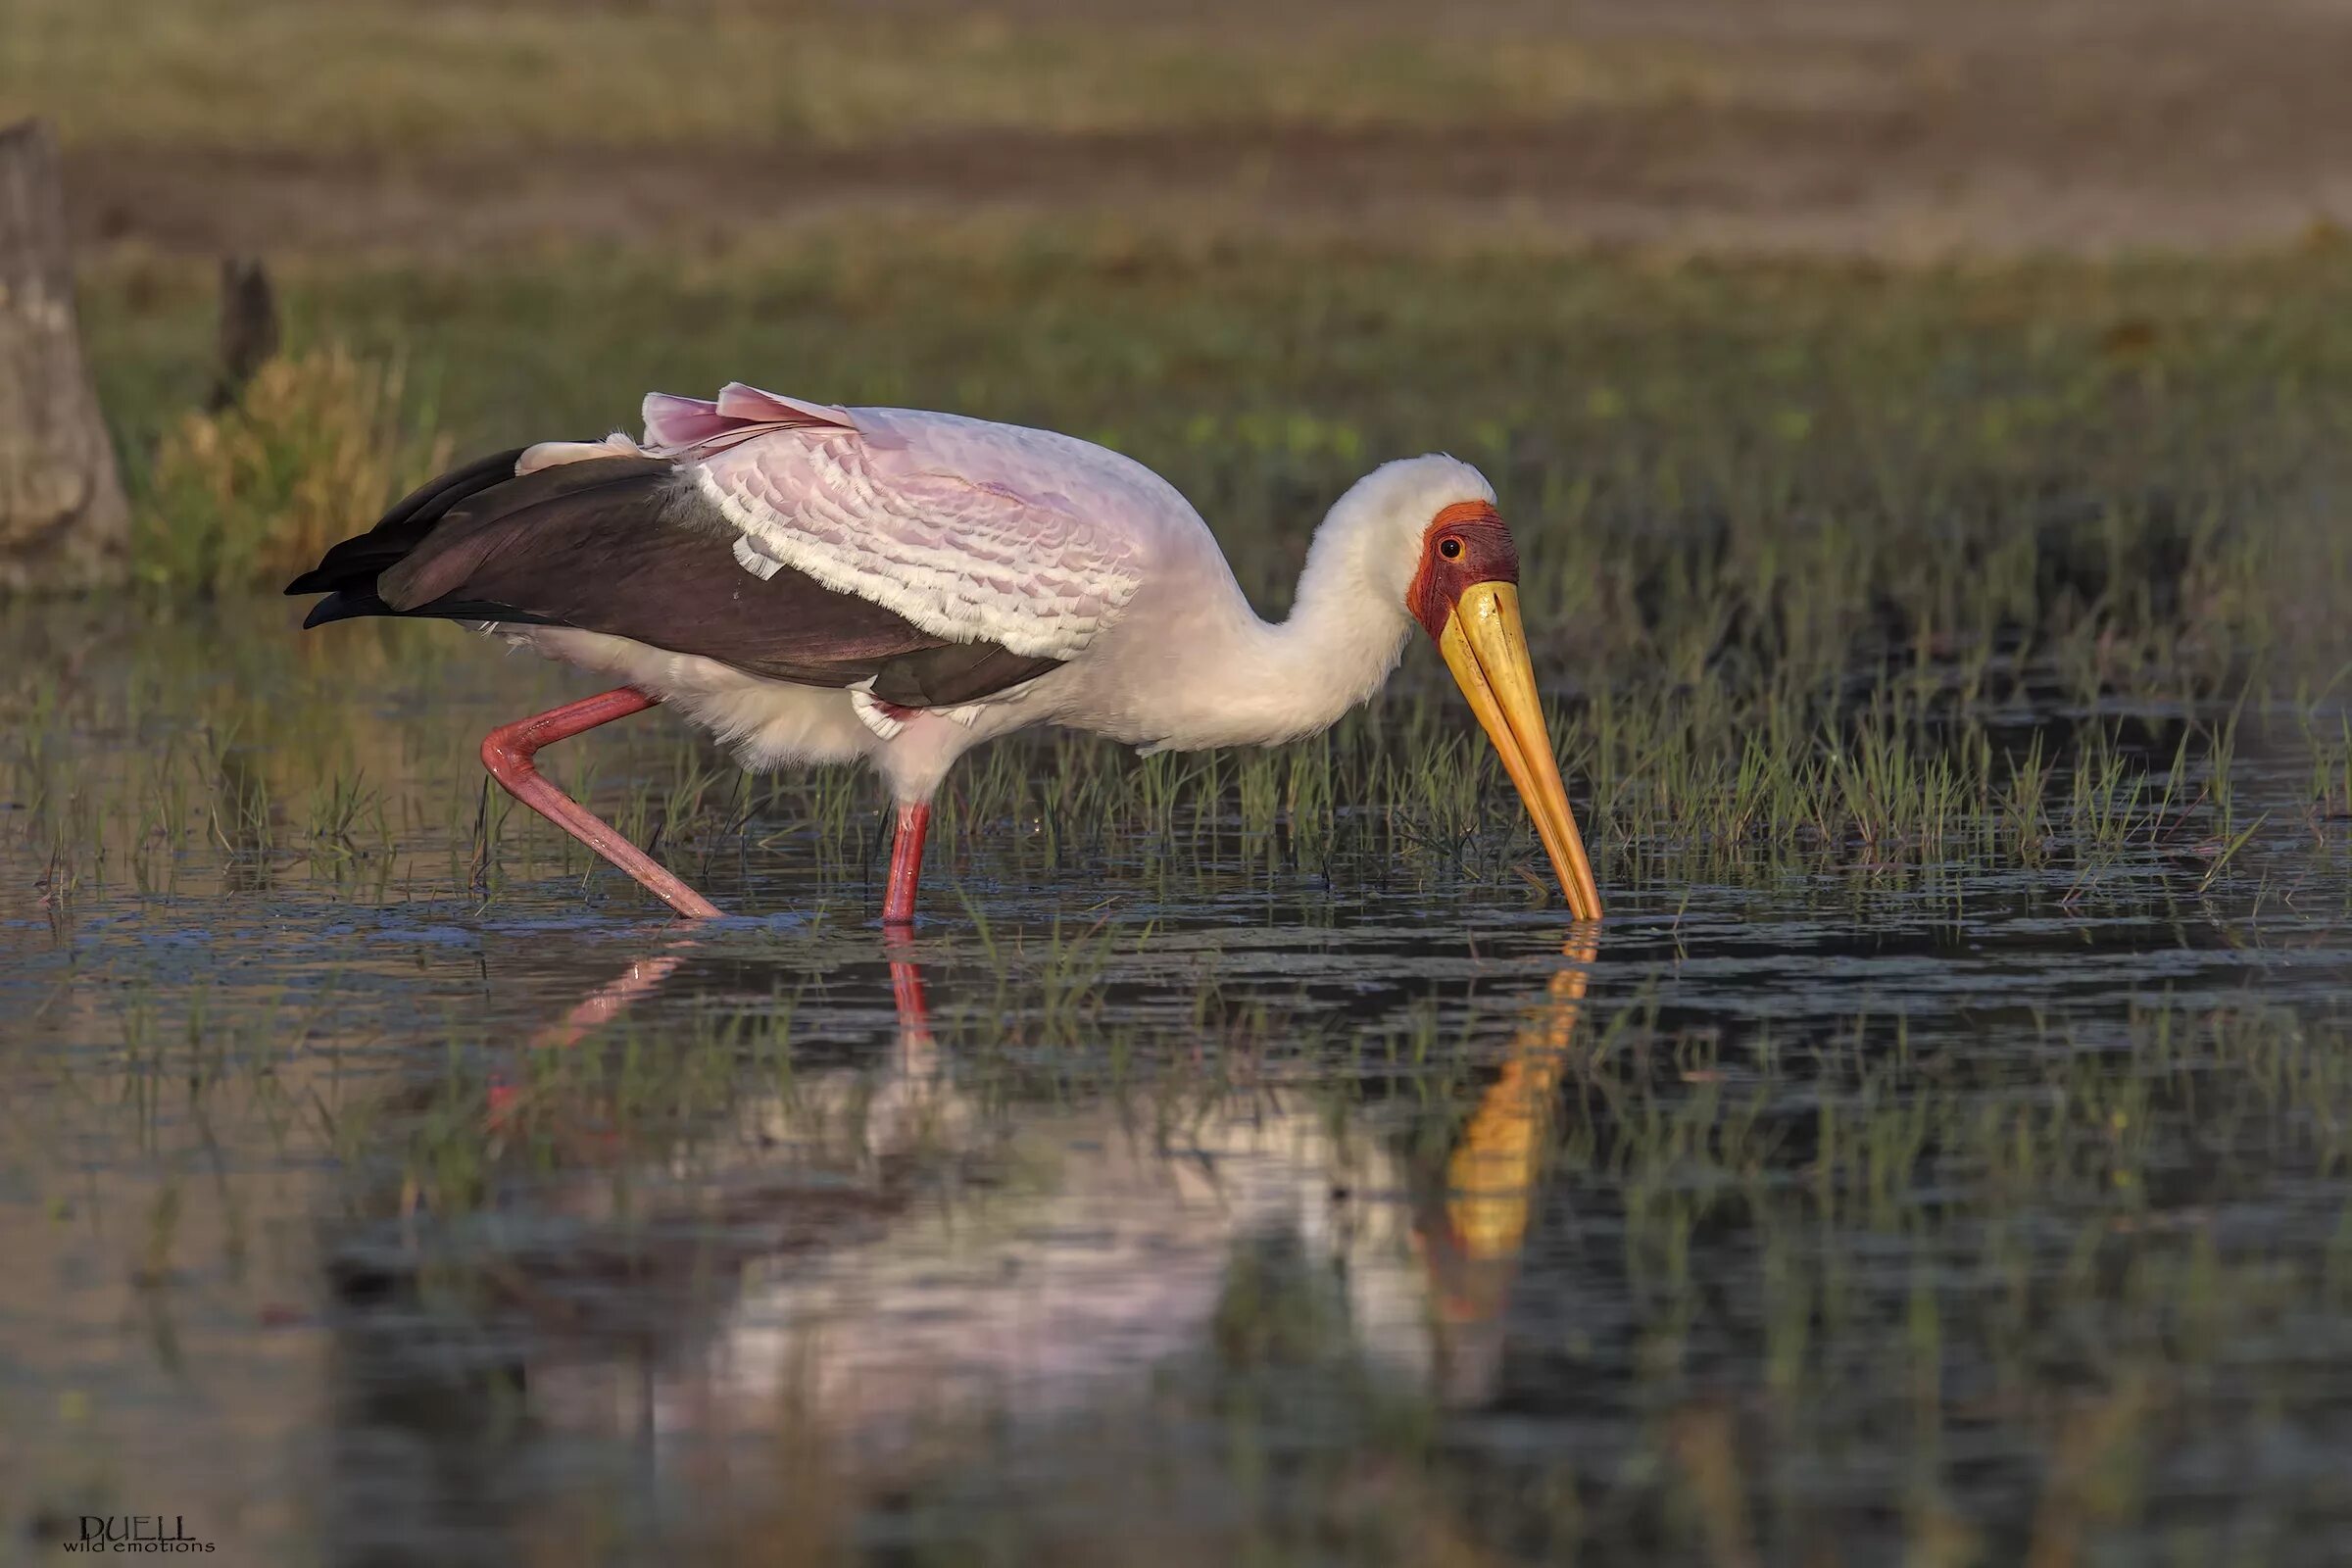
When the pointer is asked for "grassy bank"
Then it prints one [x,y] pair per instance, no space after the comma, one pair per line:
[1947,443]
[1826,564]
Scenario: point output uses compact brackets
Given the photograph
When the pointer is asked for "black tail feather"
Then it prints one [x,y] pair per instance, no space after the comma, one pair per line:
[354,562]
[543,507]
[350,604]
[344,603]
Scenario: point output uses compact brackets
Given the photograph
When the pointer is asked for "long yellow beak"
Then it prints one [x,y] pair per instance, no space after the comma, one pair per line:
[1486,647]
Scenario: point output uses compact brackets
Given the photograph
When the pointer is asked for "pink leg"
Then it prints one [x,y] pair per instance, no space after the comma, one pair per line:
[905,864]
[506,752]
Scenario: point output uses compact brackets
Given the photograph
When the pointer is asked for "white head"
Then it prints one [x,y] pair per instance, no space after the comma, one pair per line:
[1375,542]
[1420,539]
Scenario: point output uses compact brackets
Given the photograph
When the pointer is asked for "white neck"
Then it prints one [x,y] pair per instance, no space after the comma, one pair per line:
[1245,681]
[1197,667]
[1278,681]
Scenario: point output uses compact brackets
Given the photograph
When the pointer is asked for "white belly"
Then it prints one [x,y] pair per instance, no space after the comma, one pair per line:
[768,722]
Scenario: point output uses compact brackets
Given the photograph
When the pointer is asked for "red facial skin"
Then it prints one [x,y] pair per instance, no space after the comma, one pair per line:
[1466,545]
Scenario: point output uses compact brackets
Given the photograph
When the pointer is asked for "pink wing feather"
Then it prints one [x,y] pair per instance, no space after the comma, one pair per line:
[676,425]
[973,531]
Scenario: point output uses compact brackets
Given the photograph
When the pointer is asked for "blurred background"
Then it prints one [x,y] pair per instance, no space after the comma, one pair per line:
[1926,427]
[1897,128]
[1343,231]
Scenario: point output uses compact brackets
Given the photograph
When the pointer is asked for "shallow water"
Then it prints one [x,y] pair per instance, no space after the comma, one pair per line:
[1187,1201]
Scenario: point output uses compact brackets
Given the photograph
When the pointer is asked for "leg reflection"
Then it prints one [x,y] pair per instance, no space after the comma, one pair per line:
[590,1013]
[610,1000]
[641,979]
[906,992]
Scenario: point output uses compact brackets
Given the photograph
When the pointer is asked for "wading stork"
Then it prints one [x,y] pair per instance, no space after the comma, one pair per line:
[813,583]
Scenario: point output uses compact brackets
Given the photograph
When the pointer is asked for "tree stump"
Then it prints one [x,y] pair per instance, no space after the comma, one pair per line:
[63,523]
[248,338]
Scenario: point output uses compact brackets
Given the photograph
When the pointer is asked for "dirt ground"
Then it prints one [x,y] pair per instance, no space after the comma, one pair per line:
[1859,126]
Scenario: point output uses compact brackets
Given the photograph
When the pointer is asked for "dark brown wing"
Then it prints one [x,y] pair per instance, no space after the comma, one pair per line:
[616,545]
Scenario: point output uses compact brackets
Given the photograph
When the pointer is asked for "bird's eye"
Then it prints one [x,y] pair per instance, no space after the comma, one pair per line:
[1450,549]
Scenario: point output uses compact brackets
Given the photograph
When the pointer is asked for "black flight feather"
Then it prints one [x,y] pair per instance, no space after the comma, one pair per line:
[617,545]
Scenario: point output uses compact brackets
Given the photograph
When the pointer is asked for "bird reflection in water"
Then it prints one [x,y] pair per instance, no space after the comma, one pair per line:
[1048,1266]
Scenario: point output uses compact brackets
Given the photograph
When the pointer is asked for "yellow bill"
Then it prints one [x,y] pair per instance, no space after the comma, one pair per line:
[1486,647]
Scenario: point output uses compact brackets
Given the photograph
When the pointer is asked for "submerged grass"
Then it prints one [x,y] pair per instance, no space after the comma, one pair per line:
[285,774]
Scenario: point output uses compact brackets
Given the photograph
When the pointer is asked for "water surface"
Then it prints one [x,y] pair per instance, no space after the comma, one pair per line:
[379,1185]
